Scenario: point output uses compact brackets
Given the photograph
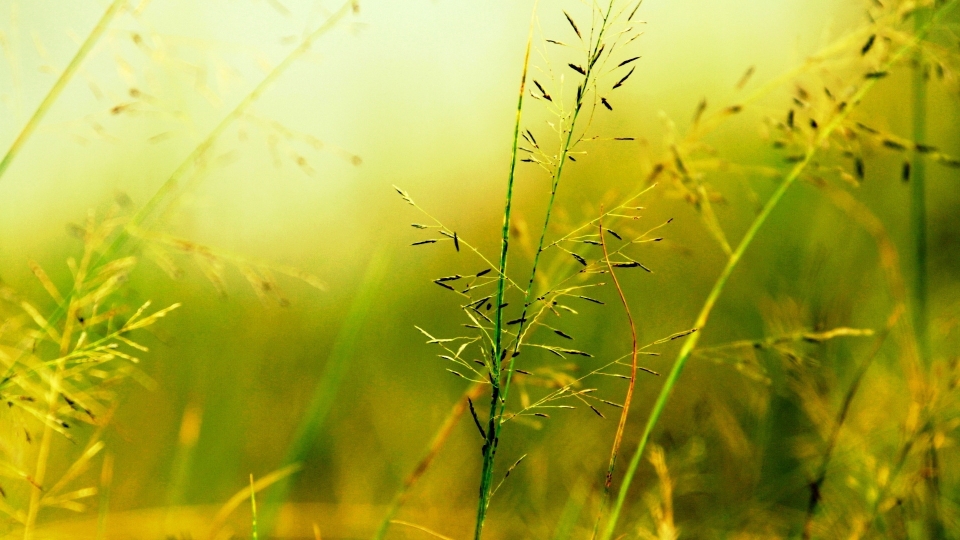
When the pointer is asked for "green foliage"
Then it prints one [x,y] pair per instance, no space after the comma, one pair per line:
[805,228]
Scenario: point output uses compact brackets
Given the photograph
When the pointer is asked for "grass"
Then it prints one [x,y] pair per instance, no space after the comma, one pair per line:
[492,434]
[97,278]
[674,376]
[570,134]
[789,426]
[621,426]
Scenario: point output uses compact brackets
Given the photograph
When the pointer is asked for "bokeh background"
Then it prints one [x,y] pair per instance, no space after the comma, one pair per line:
[421,94]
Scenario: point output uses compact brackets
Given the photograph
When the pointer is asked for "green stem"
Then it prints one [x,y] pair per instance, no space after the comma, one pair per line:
[918,206]
[492,432]
[918,224]
[554,185]
[312,422]
[60,84]
[691,341]
[500,393]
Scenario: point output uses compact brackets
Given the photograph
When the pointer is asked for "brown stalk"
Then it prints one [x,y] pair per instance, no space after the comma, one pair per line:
[618,439]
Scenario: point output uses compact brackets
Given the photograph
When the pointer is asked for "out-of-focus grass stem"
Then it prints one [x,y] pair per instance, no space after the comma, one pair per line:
[325,392]
[918,225]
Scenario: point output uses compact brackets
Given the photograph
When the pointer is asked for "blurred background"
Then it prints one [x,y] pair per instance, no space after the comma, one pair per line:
[422,95]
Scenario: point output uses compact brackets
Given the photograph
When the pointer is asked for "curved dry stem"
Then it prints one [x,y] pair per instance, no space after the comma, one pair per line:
[618,438]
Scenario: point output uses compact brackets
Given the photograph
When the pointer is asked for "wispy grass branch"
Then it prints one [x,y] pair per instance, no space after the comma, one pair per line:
[173,182]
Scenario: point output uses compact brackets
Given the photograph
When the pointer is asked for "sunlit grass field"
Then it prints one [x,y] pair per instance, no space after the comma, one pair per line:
[546,269]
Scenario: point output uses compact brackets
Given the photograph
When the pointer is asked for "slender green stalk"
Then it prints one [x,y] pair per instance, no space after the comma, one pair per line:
[500,394]
[325,392]
[734,259]
[254,533]
[60,84]
[493,426]
[918,200]
[554,185]
[918,224]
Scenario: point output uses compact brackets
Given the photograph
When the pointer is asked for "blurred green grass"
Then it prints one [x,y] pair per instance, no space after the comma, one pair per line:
[423,96]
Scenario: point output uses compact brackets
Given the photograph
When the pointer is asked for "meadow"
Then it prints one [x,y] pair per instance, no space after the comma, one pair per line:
[545,269]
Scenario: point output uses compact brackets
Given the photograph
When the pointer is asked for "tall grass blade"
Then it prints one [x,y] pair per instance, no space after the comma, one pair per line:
[325,392]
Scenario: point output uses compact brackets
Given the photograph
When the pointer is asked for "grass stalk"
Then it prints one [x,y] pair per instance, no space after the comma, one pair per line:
[918,197]
[918,225]
[498,401]
[325,392]
[53,398]
[60,84]
[758,222]
[103,509]
[436,444]
[254,531]
[624,413]
[493,427]
[244,494]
